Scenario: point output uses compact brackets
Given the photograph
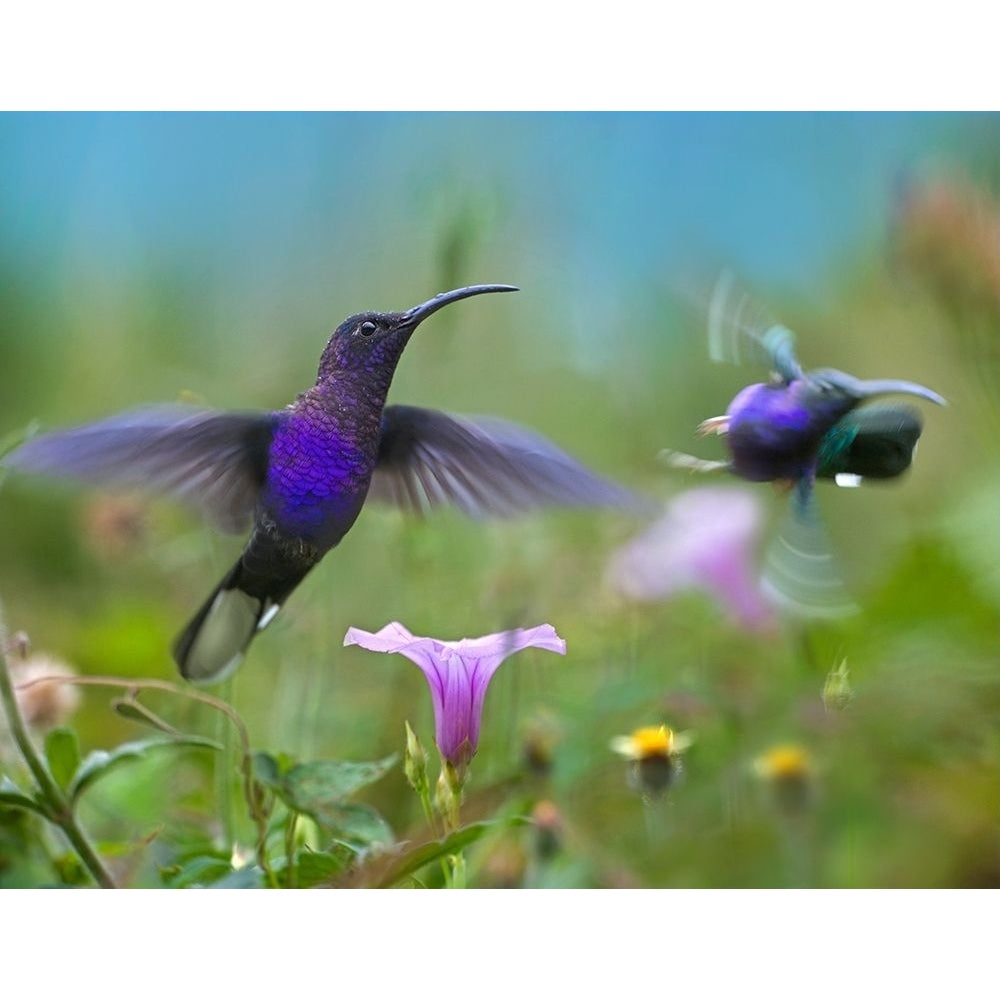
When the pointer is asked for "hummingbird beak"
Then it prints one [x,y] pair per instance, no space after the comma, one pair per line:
[866,388]
[884,386]
[419,313]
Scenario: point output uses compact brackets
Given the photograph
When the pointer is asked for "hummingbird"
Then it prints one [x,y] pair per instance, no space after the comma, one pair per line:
[797,427]
[299,477]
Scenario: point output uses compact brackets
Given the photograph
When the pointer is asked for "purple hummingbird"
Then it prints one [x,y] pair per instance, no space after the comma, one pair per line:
[301,475]
[797,427]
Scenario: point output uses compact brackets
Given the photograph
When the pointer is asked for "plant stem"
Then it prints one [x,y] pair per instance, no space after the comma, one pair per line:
[257,812]
[290,849]
[224,769]
[58,807]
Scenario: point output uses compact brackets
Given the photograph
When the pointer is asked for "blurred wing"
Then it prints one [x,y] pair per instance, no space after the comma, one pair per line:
[216,462]
[873,442]
[485,467]
[740,330]
[800,574]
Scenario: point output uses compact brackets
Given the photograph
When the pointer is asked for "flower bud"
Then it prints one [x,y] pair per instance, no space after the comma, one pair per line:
[837,690]
[415,763]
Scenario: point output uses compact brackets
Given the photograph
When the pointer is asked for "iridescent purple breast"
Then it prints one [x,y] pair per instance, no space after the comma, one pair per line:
[317,480]
[775,429]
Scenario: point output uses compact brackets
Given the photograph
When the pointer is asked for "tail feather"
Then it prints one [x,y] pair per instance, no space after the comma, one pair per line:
[213,643]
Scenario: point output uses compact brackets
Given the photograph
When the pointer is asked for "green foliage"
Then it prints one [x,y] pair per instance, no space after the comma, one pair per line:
[62,752]
[11,795]
[898,708]
[318,789]
[411,862]
[99,763]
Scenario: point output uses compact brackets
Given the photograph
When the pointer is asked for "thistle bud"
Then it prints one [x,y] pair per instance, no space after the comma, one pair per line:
[837,690]
[44,703]
[448,795]
[415,763]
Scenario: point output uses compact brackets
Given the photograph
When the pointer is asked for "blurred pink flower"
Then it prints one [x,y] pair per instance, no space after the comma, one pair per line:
[705,540]
[458,674]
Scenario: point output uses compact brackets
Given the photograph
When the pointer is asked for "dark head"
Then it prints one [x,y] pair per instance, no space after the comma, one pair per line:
[374,341]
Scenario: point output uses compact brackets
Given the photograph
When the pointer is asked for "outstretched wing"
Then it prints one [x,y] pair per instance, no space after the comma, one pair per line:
[485,467]
[217,462]
[741,330]
[873,442]
[800,574]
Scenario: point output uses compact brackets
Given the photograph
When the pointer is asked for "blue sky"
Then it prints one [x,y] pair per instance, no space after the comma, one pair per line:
[590,203]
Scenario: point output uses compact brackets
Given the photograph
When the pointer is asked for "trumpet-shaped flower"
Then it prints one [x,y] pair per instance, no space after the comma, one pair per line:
[705,540]
[458,674]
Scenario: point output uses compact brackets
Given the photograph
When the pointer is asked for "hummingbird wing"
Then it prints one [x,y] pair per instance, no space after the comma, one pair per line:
[873,442]
[741,330]
[214,461]
[800,574]
[485,467]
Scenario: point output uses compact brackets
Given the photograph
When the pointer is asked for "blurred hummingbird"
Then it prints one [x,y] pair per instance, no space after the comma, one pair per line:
[797,427]
[301,475]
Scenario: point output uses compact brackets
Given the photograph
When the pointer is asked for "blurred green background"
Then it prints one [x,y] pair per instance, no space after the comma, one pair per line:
[154,257]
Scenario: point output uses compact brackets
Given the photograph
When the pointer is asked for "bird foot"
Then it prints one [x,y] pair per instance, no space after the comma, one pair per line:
[714,425]
[679,460]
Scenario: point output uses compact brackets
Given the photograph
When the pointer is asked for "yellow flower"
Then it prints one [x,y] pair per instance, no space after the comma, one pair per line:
[789,771]
[785,762]
[651,741]
[655,755]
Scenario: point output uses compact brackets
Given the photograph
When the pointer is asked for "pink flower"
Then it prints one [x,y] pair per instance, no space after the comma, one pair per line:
[458,674]
[705,540]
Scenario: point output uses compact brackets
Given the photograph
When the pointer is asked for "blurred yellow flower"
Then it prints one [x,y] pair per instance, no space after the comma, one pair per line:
[785,762]
[651,741]
[789,771]
[655,755]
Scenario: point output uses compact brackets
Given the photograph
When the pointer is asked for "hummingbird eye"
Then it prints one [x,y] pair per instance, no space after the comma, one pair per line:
[367,328]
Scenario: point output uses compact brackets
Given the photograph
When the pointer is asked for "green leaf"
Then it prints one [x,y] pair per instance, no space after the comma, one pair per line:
[314,867]
[250,877]
[309,786]
[62,751]
[354,824]
[100,762]
[413,860]
[71,870]
[11,795]
[128,708]
[267,770]
[10,441]
[319,789]
[204,870]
